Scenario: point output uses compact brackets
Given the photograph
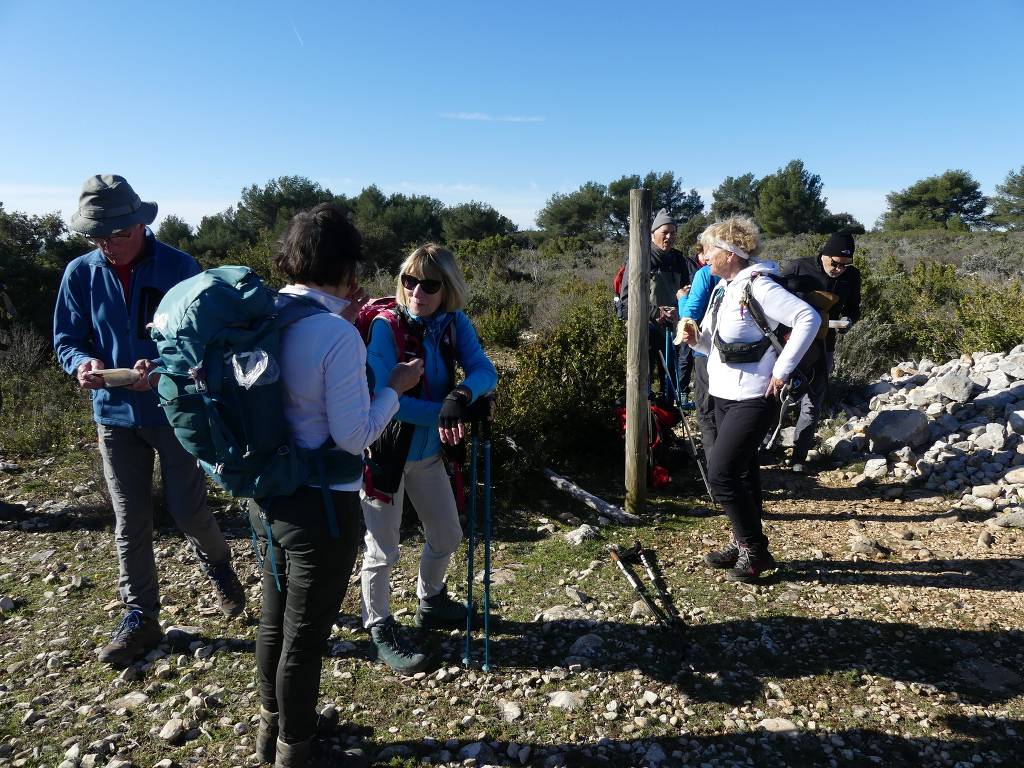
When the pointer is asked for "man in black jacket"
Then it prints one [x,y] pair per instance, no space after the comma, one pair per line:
[671,271]
[831,270]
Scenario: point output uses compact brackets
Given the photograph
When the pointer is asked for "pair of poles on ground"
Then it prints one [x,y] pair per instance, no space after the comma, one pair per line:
[480,438]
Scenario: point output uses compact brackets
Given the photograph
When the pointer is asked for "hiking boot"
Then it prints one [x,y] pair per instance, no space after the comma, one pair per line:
[440,612]
[725,557]
[752,562]
[266,737]
[230,594]
[135,636]
[395,649]
[292,755]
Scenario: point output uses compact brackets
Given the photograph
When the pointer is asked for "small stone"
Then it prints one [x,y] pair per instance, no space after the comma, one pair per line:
[173,731]
[568,700]
[510,711]
[867,546]
[7,604]
[779,725]
[986,540]
[583,533]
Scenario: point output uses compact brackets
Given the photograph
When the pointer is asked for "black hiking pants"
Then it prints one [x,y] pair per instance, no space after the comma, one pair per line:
[734,471]
[313,569]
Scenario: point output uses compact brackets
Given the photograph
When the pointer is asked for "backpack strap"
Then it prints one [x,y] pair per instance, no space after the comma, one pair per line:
[757,313]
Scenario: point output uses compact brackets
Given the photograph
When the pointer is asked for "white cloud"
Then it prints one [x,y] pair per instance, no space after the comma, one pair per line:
[483,117]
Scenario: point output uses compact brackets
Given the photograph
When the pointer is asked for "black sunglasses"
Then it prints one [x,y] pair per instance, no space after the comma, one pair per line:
[839,264]
[429,286]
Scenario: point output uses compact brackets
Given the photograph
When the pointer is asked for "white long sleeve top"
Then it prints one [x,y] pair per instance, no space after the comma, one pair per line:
[323,367]
[744,381]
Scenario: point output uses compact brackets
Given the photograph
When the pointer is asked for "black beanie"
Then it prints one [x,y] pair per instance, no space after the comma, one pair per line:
[839,244]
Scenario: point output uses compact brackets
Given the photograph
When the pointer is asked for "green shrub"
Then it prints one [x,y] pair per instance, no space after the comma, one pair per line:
[991,317]
[557,247]
[561,395]
[485,259]
[498,313]
[41,408]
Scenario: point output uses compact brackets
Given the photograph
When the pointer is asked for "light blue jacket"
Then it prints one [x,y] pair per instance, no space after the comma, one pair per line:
[694,304]
[423,411]
[93,319]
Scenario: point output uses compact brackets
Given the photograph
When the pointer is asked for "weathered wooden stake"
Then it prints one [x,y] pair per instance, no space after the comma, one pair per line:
[637,362]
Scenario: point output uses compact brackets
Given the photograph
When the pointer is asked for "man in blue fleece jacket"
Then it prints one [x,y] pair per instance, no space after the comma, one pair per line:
[107,298]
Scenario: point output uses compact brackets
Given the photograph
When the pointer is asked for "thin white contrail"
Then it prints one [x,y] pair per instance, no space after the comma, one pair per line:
[297,35]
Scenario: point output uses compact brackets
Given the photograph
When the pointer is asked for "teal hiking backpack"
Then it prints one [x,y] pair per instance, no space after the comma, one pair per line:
[218,335]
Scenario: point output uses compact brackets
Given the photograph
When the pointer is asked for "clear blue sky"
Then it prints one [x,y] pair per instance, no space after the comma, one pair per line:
[504,103]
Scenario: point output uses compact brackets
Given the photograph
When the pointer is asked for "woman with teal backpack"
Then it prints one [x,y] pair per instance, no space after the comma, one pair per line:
[430,294]
[307,558]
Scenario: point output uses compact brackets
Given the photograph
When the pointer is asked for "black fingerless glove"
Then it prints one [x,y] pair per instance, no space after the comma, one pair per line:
[453,408]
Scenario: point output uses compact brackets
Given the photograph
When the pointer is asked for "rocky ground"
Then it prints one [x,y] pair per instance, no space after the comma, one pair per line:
[890,636]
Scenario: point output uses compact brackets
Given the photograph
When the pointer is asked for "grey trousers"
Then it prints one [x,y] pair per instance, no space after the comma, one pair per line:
[128,469]
[810,409]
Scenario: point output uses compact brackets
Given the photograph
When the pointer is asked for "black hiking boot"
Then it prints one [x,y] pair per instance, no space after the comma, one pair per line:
[395,649]
[292,755]
[725,557]
[230,593]
[266,737]
[441,612]
[751,563]
[135,636]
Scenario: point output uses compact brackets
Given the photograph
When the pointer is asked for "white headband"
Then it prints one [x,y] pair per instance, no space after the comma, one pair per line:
[732,249]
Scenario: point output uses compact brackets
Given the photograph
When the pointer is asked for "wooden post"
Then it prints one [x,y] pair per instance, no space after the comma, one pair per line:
[637,361]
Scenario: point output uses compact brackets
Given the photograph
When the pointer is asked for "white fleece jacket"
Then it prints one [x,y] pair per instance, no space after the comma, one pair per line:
[744,381]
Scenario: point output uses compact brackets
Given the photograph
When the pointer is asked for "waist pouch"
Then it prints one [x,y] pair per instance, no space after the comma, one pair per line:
[741,351]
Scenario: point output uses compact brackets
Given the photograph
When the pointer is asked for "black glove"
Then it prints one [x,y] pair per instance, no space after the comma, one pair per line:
[453,408]
[481,410]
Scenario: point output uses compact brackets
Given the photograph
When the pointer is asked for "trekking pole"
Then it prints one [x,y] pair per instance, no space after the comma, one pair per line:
[470,546]
[487,543]
[618,558]
[686,433]
[786,400]
[648,558]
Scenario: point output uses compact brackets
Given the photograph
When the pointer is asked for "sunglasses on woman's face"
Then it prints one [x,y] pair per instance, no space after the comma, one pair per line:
[429,286]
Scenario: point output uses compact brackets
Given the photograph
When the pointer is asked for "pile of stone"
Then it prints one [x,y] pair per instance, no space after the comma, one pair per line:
[951,428]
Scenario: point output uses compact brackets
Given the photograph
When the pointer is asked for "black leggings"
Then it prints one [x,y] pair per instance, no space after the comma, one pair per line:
[734,470]
[313,569]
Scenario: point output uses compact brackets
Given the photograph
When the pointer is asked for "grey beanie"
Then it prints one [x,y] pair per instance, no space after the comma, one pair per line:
[661,219]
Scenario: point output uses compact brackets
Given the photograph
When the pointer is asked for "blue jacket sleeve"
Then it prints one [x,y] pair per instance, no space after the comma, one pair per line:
[381,356]
[481,376]
[695,304]
[72,322]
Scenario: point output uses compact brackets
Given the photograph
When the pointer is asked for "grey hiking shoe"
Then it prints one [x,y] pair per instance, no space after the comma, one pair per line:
[135,636]
[752,562]
[440,612]
[230,594]
[725,557]
[394,647]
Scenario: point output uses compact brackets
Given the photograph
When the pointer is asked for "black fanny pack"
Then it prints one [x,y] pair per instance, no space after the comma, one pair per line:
[741,351]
